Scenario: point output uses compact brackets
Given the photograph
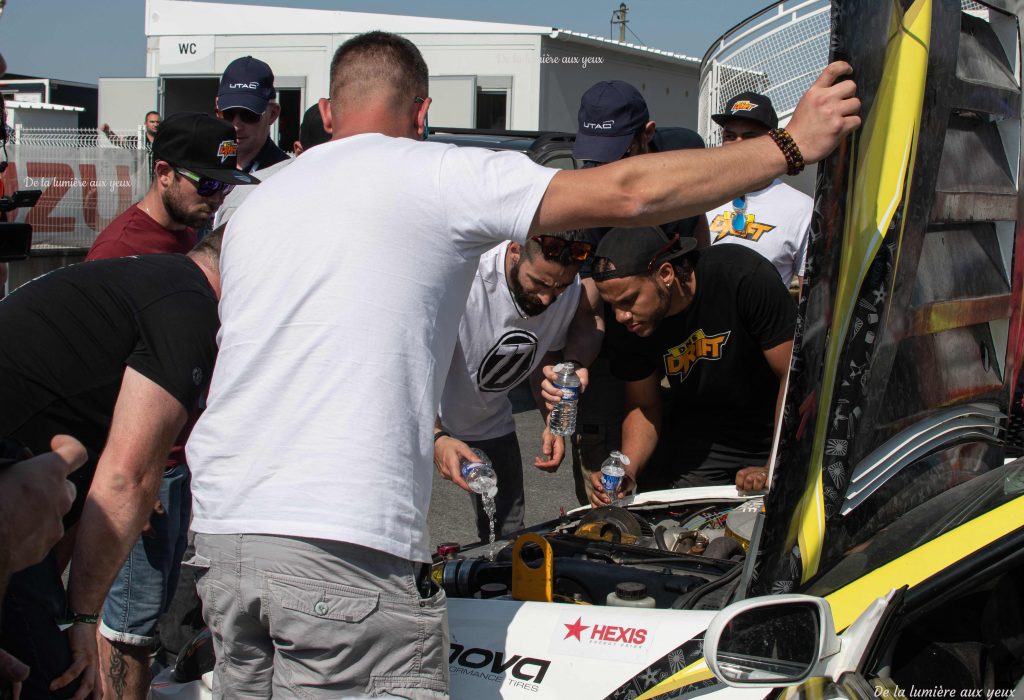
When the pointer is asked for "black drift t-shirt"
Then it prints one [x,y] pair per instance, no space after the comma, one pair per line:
[66,338]
[721,410]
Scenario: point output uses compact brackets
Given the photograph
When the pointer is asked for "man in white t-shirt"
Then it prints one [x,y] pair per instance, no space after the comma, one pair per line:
[774,220]
[520,306]
[312,463]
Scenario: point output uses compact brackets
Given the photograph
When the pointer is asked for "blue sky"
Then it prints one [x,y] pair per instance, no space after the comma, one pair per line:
[82,40]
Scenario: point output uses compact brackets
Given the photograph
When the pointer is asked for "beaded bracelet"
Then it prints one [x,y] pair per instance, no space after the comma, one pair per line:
[786,144]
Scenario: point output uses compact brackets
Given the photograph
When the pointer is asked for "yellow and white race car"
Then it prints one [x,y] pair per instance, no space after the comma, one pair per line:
[887,558]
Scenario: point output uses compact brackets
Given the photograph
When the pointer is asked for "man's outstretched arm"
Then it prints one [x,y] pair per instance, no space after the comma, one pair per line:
[650,189]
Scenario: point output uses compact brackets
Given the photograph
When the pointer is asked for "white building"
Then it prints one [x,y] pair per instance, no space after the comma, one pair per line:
[482,74]
[42,115]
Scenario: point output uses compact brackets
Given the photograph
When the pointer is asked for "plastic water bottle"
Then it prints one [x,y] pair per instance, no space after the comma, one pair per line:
[563,415]
[613,472]
[479,474]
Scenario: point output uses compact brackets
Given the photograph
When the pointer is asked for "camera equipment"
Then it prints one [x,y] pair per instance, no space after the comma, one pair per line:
[16,238]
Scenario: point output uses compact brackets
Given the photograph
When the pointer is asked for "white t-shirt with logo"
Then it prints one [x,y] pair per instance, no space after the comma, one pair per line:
[497,350]
[338,327]
[778,231]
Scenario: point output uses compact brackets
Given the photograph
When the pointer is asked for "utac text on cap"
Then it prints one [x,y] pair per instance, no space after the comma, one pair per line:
[611,113]
[247,83]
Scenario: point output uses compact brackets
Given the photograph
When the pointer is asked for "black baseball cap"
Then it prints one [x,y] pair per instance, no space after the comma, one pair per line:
[749,105]
[201,143]
[311,130]
[247,83]
[624,252]
[611,112]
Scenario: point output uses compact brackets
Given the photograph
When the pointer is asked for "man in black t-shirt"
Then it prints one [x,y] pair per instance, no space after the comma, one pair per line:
[613,123]
[718,325]
[114,352]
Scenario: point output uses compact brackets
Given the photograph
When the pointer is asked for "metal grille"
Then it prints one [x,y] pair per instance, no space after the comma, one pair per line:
[86,182]
[777,53]
[76,138]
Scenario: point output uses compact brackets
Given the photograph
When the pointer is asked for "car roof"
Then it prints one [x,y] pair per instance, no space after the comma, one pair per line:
[533,143]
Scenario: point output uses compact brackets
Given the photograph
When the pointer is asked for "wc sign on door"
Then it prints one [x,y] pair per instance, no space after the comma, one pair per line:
[186,54]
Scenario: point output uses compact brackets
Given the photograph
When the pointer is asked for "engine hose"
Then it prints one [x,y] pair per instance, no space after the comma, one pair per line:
[688,600]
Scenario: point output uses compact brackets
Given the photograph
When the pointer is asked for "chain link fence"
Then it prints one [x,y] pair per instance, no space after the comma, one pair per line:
[86,179]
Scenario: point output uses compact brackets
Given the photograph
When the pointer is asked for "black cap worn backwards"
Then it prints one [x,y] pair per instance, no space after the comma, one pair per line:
[749,105]
[624,252]
[200,143]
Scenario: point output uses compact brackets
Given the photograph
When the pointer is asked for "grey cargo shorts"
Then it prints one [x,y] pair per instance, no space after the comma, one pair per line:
[309,618]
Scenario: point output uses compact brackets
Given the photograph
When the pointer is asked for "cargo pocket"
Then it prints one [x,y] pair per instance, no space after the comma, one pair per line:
[415,687]
[426,652]
[323,601]
[326,628]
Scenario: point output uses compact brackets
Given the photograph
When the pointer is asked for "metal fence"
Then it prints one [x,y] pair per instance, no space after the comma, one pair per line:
[86,181]
[778,52]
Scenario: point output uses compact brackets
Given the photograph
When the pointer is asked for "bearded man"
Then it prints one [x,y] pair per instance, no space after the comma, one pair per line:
[188,147]
[523,300]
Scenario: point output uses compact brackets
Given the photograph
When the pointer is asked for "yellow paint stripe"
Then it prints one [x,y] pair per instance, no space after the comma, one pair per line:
[811,534]
[884,168]
[694,673]
[924,561]
[909,570]
[810,689]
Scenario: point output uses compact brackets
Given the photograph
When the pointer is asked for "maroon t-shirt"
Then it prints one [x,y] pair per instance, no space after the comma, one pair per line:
[135,232]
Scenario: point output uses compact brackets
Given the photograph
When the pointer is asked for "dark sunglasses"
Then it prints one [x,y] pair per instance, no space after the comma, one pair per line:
[245,115]
[205,186]
[661,251]
[555,248]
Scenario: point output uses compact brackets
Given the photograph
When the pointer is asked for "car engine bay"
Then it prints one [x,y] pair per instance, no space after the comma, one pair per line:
[655,555]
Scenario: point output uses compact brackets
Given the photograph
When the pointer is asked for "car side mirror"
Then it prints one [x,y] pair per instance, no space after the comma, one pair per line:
[772,641]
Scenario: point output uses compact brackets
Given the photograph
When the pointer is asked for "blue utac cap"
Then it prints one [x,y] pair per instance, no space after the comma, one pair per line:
[247,83]
[611,112]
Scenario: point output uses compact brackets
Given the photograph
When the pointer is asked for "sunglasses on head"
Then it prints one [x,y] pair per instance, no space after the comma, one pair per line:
[604,267]
[739,214]
[245,115]
[661,251]
[205,186]
[555,248]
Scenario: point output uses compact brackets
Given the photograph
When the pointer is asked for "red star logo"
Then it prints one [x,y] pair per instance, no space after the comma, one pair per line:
[575,629]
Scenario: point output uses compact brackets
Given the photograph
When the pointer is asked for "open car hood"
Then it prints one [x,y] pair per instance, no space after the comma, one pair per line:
[909,332]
